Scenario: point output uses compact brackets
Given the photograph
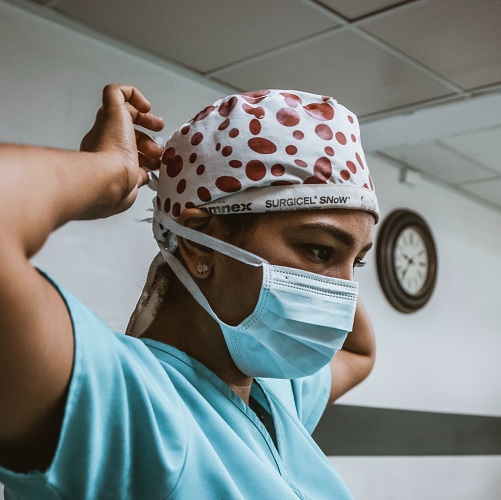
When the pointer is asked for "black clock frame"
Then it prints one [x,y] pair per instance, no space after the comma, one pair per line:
[396,222]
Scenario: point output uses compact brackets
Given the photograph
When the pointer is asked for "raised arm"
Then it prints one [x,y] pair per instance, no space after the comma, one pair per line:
[40,190]
[355,360]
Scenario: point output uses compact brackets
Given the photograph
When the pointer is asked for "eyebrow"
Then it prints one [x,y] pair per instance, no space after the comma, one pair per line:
[340,234]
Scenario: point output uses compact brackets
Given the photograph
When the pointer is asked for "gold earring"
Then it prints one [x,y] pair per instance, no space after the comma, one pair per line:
[202,268]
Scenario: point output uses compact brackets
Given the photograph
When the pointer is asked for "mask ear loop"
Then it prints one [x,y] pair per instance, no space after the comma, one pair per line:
[185,278]
[206,240]
[209,241]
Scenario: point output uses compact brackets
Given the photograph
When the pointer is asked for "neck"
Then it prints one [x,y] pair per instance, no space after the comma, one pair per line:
[185,325]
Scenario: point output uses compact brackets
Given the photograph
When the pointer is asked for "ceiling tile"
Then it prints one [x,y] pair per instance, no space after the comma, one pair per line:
[353,10]
[459,39]
[199,35]
[440,162]
[342,64]
[488,190]
[483,146]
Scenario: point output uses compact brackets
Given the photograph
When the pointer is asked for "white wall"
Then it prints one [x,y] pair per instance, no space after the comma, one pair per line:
[51,80]
[443,358]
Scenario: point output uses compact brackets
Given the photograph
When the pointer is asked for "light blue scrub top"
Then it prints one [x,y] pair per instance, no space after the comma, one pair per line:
[144,420]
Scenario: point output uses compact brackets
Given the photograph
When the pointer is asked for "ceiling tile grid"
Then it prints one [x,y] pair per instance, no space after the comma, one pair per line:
[380,58]
[361,8]
[483,146]
[459,39]
[439,161]
[359,74]
[199,34]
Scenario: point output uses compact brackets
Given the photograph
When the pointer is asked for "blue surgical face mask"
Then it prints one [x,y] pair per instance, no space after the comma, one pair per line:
[300,320]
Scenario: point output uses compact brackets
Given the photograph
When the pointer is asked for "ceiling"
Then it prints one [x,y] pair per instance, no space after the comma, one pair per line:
[424,76]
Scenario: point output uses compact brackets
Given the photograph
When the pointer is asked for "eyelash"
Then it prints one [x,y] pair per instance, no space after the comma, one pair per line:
[330,251]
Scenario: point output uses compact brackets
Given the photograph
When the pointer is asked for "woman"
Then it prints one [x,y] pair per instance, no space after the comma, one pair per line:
[264,207]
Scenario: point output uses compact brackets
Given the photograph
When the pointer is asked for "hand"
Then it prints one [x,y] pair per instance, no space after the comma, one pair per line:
[132,151]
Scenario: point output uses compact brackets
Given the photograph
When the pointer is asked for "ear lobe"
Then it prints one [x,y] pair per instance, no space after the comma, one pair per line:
[197,258]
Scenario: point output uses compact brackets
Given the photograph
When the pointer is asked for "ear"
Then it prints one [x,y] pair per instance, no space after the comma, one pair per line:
[197,258]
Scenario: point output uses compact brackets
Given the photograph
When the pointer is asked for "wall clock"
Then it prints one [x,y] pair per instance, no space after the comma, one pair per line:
[406,260]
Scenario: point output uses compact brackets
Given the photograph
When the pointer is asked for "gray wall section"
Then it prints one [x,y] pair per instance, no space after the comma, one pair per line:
[364,431]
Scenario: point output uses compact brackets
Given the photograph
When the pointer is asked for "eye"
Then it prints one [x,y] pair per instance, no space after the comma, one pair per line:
[359,263]
[320,252]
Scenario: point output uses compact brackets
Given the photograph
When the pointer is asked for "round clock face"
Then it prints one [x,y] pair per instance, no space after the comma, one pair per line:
[411,260]
[406,260]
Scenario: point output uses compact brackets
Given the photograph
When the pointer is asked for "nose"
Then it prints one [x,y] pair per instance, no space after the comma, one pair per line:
[344,272]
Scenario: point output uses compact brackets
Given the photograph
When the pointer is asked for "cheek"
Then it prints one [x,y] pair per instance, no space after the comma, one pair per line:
[237,290]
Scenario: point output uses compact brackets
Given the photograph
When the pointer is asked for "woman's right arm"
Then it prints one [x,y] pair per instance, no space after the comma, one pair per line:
[40,190]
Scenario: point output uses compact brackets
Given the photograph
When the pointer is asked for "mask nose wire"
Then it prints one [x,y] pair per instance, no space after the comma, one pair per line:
[209,241]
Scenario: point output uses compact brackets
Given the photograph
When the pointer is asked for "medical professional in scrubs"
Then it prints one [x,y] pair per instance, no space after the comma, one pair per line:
[264,206]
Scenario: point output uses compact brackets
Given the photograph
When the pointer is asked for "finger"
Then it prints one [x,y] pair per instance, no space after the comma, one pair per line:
[143,178]
[116,95]
[150,121]
[147,120]
[148,162]
[147,146]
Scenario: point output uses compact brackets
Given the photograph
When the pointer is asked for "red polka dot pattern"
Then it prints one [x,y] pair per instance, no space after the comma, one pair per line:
[204,194]
[224,125]
[351,167]
[324,132]
[255,96]
[323,169]
[181,186]
[255,126]
[288,117]
[173,162]
[197,139]
[255,170]
[341,138]
[321,111]
[262,145]
[360,162]
[277,170]
[228,184]
[282,183]
[259,139]
[226,107]
[204,113]
[176,209]
[257,112]
[292,100]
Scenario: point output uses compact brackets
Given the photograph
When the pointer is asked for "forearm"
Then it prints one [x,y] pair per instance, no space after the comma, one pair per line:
[44,188]
[355,360]
[361,340]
